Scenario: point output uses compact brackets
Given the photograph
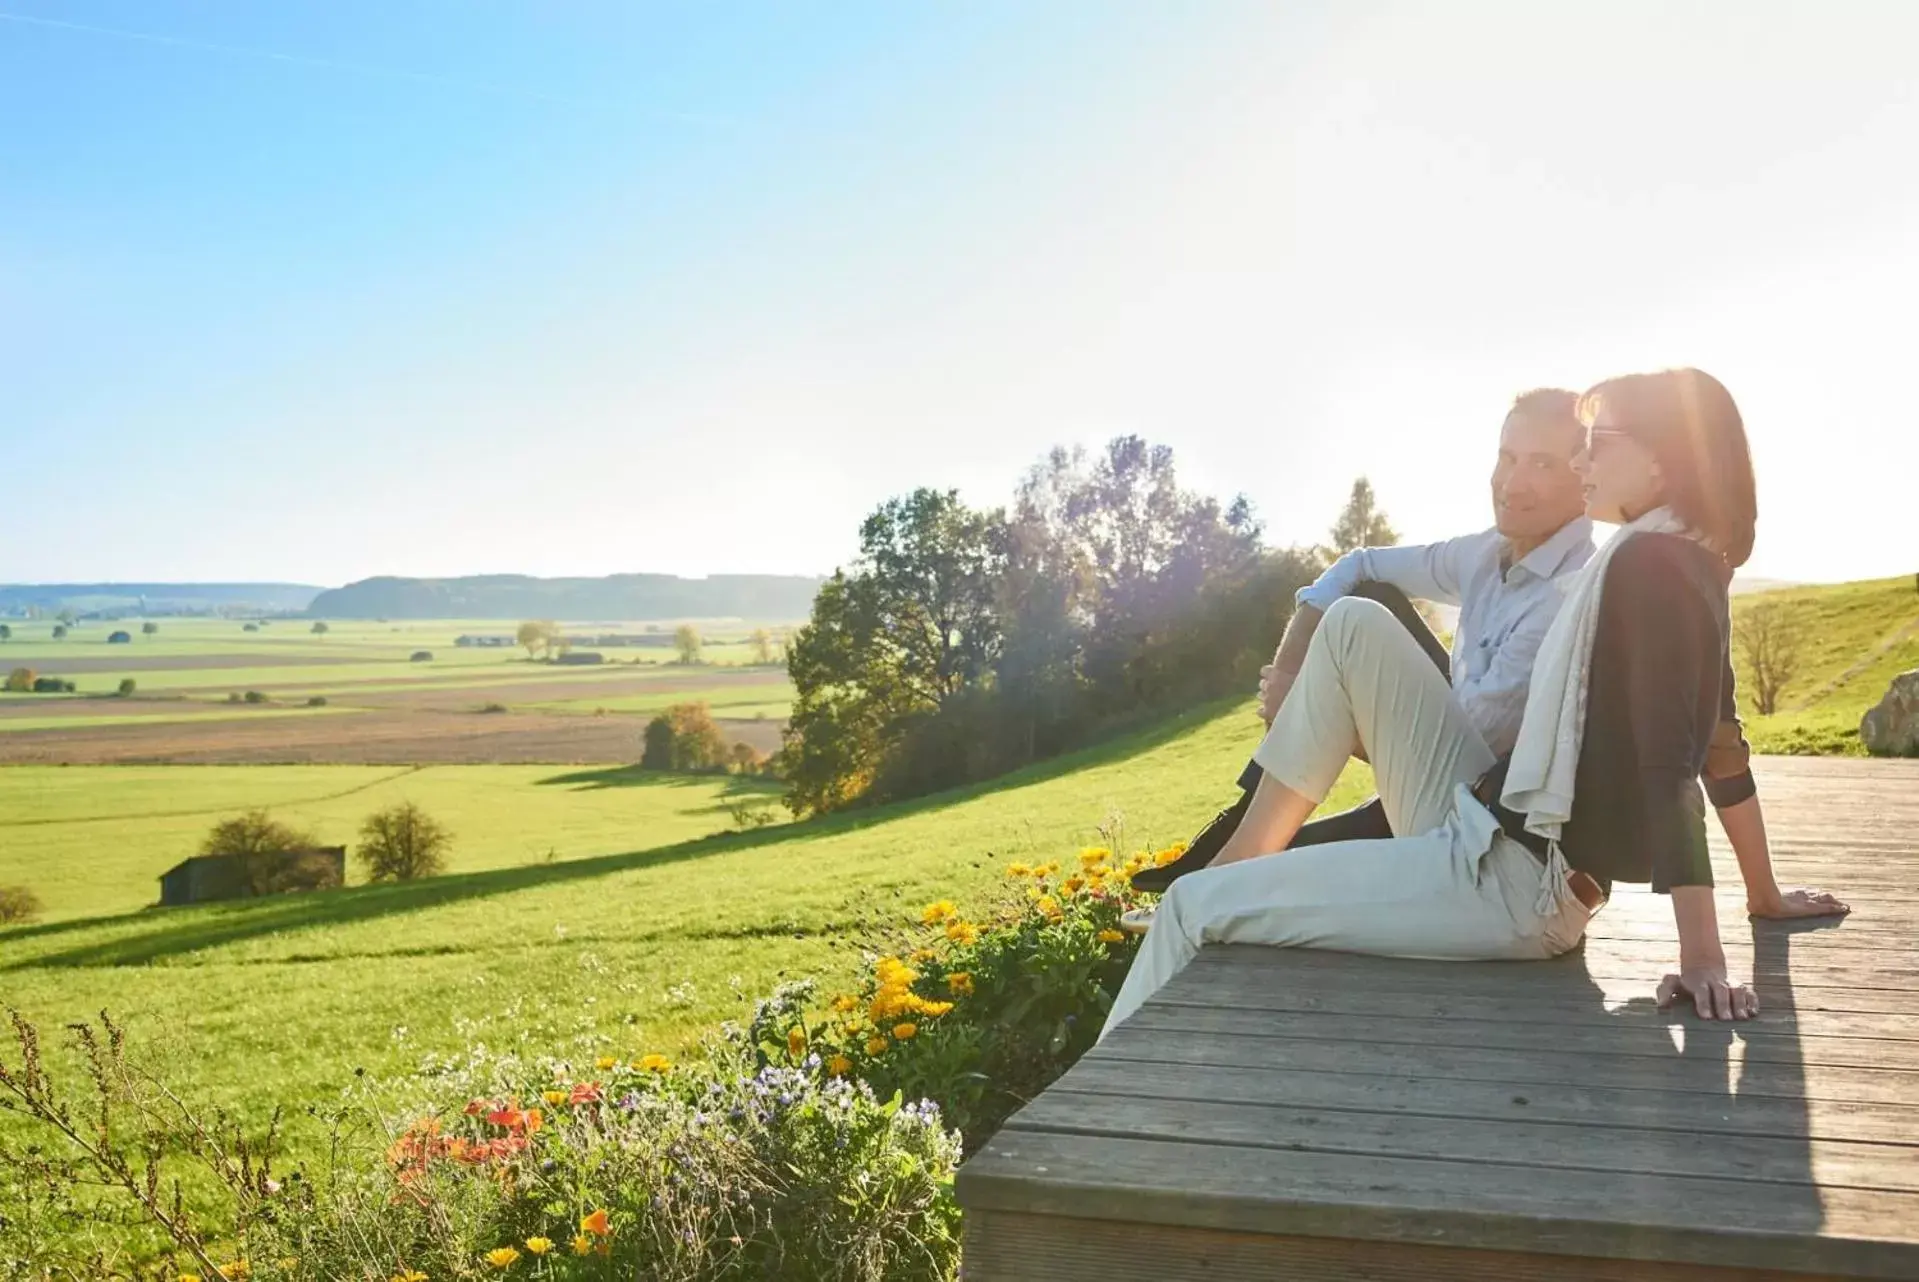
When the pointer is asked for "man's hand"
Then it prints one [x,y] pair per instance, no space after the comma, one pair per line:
[1800,901]
[1274,684]
[1713,995]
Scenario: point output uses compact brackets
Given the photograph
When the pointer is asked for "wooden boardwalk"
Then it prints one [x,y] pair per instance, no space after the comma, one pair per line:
[1288,1114]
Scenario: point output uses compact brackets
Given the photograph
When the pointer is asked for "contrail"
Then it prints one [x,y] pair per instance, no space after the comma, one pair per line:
[325,64]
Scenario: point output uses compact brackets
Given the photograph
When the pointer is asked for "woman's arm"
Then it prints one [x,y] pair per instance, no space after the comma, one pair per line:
[1702,961]
[1745,826]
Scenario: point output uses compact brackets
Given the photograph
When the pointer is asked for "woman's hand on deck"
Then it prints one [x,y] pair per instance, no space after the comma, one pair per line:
[1799,901]
[1713,995]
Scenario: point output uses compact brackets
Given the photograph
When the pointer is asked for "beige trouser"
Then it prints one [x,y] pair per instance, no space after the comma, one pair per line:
[1459,889]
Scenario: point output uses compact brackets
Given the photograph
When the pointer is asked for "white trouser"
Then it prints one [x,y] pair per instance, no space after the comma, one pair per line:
[1459,889]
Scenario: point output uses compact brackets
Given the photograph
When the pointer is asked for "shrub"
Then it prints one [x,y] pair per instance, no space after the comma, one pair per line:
[53,685]
[317,701]
[20,681]
[683,738]
[119,638]
[420,656]
[59,632]
[233,696]
[492,707]
[263,848]
[250,627]
[256,696]
[149,628]
[18,904]
[319,628]
[6,632]
[127,686]
[403,842]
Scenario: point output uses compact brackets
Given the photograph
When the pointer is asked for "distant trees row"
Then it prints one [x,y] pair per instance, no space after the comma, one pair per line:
[686,738]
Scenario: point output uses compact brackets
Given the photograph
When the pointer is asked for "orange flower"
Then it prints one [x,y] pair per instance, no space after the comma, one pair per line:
[596,1223]
[839,1066]
[905,1032]
[960,983]
[876,1046]
[585,1093]
[796,1041]
[1110,936]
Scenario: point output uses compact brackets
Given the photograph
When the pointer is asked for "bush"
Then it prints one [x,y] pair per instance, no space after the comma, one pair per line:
[401,843]
[233,696]
[317,701]
[127,686]
[20,681]
[59,632]
[149,628]
[319,628]
[119,638]
[256,696]
[492,707]
[263,848]
[18,905]
[683,738]
[53,685]
[251,627]
[420,656]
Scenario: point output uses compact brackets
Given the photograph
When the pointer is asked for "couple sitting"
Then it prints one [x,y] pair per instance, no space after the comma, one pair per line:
[1560,749]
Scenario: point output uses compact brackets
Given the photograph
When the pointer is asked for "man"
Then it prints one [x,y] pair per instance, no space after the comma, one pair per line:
[1501,579]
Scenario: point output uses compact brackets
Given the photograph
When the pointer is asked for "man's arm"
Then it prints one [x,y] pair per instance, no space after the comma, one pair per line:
[1431,571]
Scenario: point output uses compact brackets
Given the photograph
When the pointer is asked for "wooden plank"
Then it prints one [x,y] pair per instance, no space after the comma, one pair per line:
[1839,1231]
[1780,1117]
[1243,989]
[1532,1072]
[1618,1148]
[1007,1246]
[1276,1028]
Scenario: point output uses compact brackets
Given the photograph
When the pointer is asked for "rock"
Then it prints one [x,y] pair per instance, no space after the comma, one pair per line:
[1892,728]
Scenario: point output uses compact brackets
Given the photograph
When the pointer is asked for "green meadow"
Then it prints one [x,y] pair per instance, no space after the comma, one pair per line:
[1858,637]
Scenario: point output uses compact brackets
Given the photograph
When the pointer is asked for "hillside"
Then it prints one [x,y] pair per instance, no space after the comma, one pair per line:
[616,596]
[155,598]
[1858,637]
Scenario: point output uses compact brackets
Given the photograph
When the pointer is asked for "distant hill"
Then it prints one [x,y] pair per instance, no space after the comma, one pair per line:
[617,596]
[156,598]
[1858,636]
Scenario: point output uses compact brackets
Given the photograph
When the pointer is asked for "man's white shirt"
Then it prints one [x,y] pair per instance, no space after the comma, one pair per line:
[1504,610]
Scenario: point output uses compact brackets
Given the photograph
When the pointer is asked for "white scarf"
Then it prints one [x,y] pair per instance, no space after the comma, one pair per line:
[1539,780]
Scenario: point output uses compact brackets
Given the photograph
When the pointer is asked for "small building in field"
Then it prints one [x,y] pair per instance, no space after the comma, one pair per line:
[209,877]
[485,640]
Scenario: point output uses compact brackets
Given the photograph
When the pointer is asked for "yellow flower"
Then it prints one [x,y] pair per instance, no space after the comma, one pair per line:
[905,1032]
[411,1275]
[554,1097]
[582,1245]
[933,1010]
[935,913]
[1019,870]
[796,1041]
[1072,885]
[839,1066]
[1133,865]
[539,1245]
[1046,870]
[893,971]
[876,1046]
[1048,906]
[1110,936]
[238,1271]
[654,1064]
[605,1063]
[1094,856]
[924,954]
[960,983]
[962,932]
[502,1257]
[1169,854]
[846,1003]
[189,1277]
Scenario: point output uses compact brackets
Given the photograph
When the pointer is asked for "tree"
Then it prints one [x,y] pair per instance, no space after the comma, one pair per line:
[127,686]
[762,643]
[538,635]
[149,628]
[67,618]
[401,843]
[745,757]
[319,628]
[250,627]
[59,631]
[1361,524]
[1772,640]
[686,639]
[20,681]
[6,632]
[263,849]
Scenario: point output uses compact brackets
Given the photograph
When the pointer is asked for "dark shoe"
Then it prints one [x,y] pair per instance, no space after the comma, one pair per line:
[1211,839]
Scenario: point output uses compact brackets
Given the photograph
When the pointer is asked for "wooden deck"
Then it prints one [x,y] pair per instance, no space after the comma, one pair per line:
[1288,1114]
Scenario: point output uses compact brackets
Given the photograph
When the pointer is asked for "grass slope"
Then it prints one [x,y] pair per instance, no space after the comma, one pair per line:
[1859,636]
[635,948]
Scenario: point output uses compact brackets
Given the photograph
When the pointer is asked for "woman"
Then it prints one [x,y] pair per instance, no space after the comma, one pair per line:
[1631,703]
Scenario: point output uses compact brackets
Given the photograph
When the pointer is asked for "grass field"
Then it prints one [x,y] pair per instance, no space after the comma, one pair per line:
[640,933]
[1859,636]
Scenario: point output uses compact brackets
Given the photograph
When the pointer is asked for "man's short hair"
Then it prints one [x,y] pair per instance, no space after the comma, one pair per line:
[1552,405]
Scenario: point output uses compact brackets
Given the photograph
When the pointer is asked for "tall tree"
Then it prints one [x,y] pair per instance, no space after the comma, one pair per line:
[686,640]
[1361,523]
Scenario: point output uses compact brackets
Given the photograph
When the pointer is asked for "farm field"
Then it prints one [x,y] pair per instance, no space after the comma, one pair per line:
[379,705]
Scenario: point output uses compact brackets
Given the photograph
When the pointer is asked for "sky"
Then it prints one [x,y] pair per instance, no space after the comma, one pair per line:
[311,291]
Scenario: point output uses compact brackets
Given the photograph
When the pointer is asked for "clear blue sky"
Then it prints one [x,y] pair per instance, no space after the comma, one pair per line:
[315,291]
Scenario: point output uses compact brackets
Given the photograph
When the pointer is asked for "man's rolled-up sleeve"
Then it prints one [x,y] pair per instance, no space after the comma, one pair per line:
[1428,571]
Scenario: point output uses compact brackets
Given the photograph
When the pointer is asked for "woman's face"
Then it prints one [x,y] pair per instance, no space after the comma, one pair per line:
[1621,478]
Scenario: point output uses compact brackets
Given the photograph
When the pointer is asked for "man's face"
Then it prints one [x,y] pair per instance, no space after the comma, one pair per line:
[1535,490]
